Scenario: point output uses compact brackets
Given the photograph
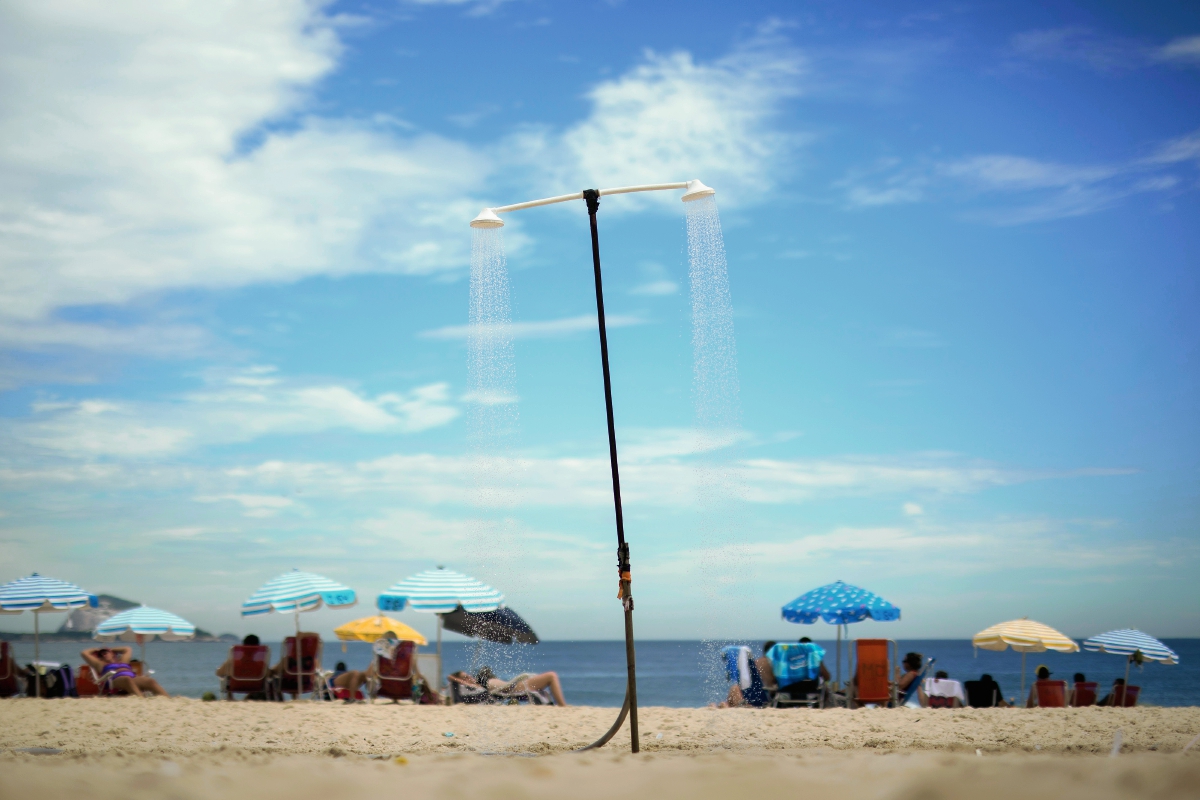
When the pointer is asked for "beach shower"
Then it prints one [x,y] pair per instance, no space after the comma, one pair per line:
[490,351]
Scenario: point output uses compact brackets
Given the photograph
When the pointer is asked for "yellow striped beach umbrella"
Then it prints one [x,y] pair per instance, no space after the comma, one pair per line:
[1025,636]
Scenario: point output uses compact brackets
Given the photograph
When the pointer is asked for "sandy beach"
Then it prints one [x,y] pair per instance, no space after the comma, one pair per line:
[192,749]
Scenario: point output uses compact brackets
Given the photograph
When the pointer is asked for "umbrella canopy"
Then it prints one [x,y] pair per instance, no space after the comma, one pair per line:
[502,625]
[39,593]
[440,591]
[297,591]
[368,629]
[140,624]
[1127,642]
[1025,636]
[839,603]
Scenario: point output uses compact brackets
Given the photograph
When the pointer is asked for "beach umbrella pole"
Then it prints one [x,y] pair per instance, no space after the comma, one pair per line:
[37,655]
[439,627]
[1023,698]
[299,656]
[1125,689]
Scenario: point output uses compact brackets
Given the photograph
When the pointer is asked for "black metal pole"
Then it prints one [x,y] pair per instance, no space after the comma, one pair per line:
[592,196]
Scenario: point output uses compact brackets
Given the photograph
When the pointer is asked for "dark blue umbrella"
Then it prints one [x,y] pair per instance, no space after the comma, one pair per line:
[502,625]
[839,603]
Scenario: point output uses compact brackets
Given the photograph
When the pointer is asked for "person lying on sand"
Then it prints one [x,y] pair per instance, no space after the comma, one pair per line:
[486,679]
[114,662]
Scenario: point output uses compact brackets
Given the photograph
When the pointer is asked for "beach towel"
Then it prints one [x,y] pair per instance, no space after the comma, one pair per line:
[945,689]
[792,663]
[737,665]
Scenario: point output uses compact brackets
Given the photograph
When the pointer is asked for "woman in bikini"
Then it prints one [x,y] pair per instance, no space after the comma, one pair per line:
[112,665]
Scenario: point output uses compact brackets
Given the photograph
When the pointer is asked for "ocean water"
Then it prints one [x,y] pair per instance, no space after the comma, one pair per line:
[670,673]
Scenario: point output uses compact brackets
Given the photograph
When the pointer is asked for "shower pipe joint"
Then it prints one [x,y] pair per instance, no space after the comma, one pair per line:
[592,198]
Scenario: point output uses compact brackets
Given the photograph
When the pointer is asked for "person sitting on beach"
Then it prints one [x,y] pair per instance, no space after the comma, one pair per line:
[112,664]
[941,692]
[1110,699]
[743,671]
[985,693]
[311,666]
[1043,674]
[798,668]
[912,670]
[765,671]
[523,683]
[349,679]
[226,669]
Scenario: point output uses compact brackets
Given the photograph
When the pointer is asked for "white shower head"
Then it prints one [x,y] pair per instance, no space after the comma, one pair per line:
[487,219]
[696,190]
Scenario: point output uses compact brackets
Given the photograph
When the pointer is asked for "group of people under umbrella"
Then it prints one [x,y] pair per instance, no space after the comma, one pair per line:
[842,604]
[462,605]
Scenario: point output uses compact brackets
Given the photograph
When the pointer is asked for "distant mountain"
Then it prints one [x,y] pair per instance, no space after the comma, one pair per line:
[84,620]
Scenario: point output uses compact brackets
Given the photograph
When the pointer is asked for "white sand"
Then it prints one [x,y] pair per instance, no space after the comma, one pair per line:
[127,748]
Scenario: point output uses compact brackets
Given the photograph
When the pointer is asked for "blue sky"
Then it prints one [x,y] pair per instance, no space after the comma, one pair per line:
[962,254]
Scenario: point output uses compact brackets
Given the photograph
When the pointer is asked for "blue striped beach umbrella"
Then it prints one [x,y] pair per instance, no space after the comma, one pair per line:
[1130,643]
[296,591]
[40,594]
[440,591]
[839,603]
[142,624]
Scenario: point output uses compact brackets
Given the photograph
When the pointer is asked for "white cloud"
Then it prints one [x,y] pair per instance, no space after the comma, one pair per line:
[126,168]
[1184,50]
[254,505]
[229,409]
[912,509]
[673,119]
[544,329]
[656,288]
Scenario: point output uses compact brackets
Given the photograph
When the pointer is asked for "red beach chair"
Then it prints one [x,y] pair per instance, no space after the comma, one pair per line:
[873,673]
[1126,696]
[1051,694]
[394,676]
[300,675]
[1084,695]
[251,671]
[86,682]
[9,685]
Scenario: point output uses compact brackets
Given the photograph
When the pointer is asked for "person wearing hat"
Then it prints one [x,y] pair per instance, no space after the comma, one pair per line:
[1043,674]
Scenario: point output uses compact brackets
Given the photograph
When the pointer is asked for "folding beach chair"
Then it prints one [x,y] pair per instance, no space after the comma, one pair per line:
[394,676]
[509,693]
[1051,694]
[809,693]
[87,684]
[300,674]
[1126,696]
[910,697]
[9,685]
[1084,695]
[873,673]
[470,695]
[251,673]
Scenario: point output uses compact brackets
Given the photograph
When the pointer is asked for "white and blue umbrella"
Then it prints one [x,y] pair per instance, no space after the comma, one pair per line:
[296,591]
[142,624]
[40,594]
[1129,643]
[440,591]
[839,603]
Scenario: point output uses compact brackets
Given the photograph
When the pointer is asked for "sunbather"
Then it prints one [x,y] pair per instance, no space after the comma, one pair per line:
[905,683]
[1111,699]
[743,672]
[349,679]
[521,684]
[113,664]
[1043,674]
